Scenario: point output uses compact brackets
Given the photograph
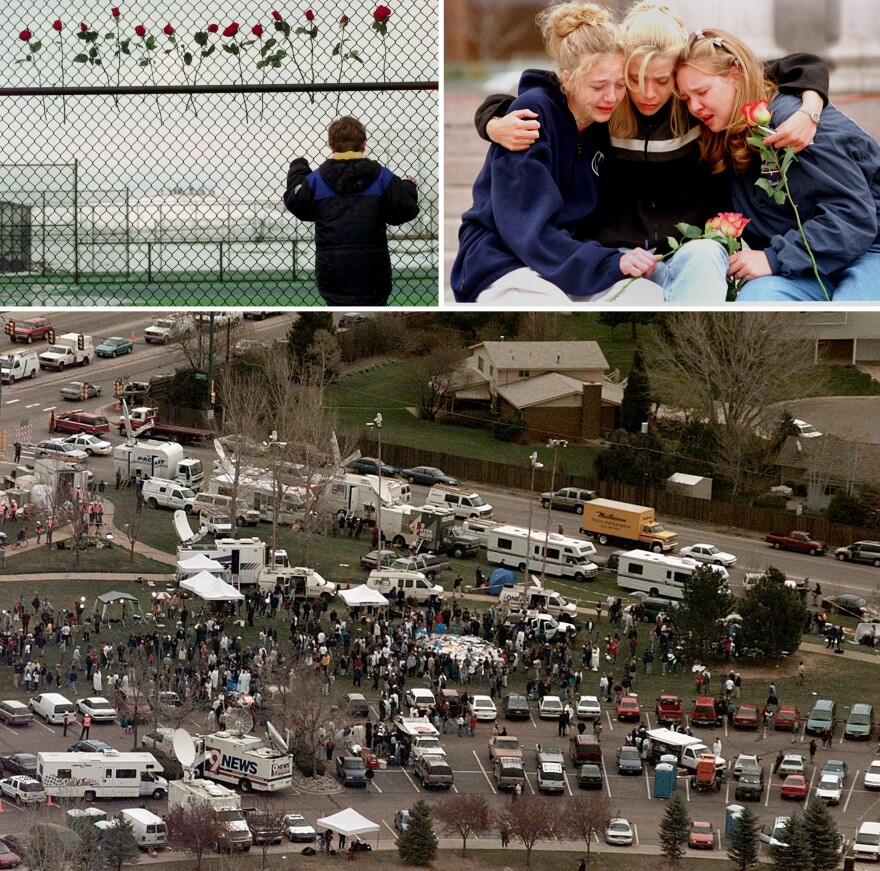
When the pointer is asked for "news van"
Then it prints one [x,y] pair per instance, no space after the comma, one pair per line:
[246,761]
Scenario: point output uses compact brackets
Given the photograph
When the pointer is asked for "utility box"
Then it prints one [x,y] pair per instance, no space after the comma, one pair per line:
[664,780]
[730,817]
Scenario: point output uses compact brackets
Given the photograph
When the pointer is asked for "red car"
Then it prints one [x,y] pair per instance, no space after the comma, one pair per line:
[28,330]
[795,786]
[746,717]
[786,719]
[669,709]
[628,708]
[702,836]
[704,712]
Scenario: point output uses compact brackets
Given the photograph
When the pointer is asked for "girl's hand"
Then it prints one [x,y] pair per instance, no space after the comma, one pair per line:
[745,265]
[516,131]
[799,130]
[638,263]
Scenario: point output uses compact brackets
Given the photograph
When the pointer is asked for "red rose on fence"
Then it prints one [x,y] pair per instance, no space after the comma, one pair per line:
[168,30]
[310,16]
[231,29]
[57,25]
[140,30]
[213,28]
[257,30]
[381,13]
[25,36]
[276,16]
[114,11]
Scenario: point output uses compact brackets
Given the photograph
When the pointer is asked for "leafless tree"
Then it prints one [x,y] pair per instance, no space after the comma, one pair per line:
[195,344]
[46,846]
[195,830]
[728,370]
[265,821]
[531,818]
[543,326]
[464,814]
[433,375]
[584,816]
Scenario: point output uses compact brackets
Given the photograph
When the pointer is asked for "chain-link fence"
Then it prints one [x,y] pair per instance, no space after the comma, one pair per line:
[144,155]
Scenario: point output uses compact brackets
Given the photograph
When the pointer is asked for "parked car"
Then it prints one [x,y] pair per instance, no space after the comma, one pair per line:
[428,475]
[619,833]
[297,828]
[805,430]
[550,707]
[872,775]
[668,709]
[628,709]
[352,319]
[114,346]
[701,836]
[589,776]
[8,857]
[745,760]
[265,827]
[29,329]
[792,763]
[23,789]
[76,391]
[483,708]
[750,784]
[89,746]
[91,444]
[60,451]
[376,559]
[568,499]
[786,718]
[401,820]
[746,717]
[504,745]
[846,603]
[98,708]
[516,707]
[370,466]
[19,763]
[795,786]
[838,768]
[14,712]
[829,789]
[629,760]
[708,553]
[588,708]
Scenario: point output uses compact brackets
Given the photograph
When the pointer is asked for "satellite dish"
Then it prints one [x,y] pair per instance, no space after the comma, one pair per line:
[184,748]
[275,737]
[239,720]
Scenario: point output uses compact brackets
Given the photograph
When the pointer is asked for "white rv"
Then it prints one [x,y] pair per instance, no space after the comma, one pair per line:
[559,555]
[660,575]
[110,774]
[258,491]
[246,761]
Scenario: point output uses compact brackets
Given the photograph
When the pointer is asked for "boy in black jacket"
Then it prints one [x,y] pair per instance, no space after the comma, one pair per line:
[350,198]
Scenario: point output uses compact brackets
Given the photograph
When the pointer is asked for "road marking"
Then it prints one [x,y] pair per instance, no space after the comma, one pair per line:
[9,804]
[635,829]
[529,782]
[12,401]
[393,833]
[687,787]
[488,780]
[406,774]
[49,407]
[44,726]
[532,721]
[648,719]
[33,405]
[8,729]
[852,786]
[567,784]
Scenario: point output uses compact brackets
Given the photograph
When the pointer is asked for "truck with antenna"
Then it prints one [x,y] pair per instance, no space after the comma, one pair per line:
[154,459]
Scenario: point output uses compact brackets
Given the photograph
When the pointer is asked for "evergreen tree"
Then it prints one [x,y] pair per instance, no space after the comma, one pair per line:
[796,854]
[635,408]
[773,615]
[824,836]
[302,332]
[674,828]
[118,846]
[743,840]
[702,606]
[417,845]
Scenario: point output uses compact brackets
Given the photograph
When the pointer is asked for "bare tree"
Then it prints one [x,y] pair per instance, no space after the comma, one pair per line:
[47,846]
[265,823]
[543,326]
[432,377]
[728,370]
[464,814]
[585,816]
[531,818]
[195,830]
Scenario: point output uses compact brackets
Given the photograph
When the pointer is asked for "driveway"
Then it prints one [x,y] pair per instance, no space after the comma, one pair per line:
[854,418]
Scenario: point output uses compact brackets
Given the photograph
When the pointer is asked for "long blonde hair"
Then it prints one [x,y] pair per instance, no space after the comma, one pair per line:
[715,52]
[577,35]
[650,30]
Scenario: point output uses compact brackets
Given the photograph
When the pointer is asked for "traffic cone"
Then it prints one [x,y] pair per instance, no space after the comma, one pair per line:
[1,807]
[49,802]
[132,338]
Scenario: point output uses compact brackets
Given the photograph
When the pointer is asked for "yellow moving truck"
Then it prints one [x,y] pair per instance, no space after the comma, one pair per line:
[609,521]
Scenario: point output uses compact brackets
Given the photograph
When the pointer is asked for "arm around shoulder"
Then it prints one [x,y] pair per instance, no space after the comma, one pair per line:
[400,201]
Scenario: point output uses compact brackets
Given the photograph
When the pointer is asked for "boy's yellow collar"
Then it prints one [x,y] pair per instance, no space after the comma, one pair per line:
[348,155]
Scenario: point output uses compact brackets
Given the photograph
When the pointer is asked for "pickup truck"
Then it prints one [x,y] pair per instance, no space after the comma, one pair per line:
[144,420]
[458,543]
[429,564]
[351,770]
[802,542]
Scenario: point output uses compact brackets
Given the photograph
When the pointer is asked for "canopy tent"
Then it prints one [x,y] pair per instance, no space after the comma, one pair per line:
[198,563]
[362,596]
[210,587]
[349,823]
[105,600]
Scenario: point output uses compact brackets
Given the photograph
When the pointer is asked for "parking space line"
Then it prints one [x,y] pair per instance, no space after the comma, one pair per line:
[393,833]
[406,775]
[45,726]
[636,833]
[567,784]
[769,787]
[8,729]
[532,721]
[687,787]
[8,805]
[488,779]
[852,786]
[529,782]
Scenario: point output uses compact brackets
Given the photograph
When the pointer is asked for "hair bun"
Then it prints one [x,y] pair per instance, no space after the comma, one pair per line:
[569,17]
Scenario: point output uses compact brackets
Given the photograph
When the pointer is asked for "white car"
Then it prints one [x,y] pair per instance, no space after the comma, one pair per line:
[297,828]
[829,789]
[483,708]
[872,775]
[708,553]
[588,708]
[422,745]
[23,789]
[745,760]
[792,763]
[550,708]
[420,698]
[619,832]
[98,708]
[89,443]
[805,430]
[59,450]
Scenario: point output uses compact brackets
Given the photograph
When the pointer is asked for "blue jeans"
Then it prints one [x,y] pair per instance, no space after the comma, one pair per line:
[859,282]
[695,274]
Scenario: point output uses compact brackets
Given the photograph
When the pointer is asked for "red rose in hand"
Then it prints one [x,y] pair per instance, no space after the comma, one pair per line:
[276,16]
[730,224]
[231,29]
[25,36]
[757,113]
[257,30]
[115,12]
[213,28]
[57,25]
[168,30]
[344,20]
[140,30]
[381,13]
[310,16]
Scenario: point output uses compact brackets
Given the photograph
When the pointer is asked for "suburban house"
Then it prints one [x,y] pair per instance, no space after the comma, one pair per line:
[845,336]
[559,389]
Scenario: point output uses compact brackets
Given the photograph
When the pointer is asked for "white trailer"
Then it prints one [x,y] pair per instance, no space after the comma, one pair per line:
[562,556]
[225,803]
[111,774]
[256,489]
[362,494]
[245,761]
[297,582]
[422,525]
[660,575]
[155,459]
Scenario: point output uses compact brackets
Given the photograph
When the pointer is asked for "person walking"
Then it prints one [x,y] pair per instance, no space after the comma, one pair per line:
[813,748]
[778,761]
[802,674]
[86,726]
[582,865]
[66,724]
[505,837]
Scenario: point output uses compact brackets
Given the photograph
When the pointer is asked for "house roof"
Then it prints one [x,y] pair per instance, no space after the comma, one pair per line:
[832,458]
[540,390]
[545,355]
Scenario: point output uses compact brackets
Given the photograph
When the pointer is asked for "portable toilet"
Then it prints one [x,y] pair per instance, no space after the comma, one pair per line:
[664,780]
[730,818]
[77,817]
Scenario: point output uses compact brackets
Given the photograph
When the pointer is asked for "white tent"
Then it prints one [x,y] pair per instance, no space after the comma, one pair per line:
[210,587]
[349,823]
[362,596]
[198,563]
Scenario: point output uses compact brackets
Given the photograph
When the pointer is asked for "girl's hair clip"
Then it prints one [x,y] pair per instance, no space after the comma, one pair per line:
[736,61]
[717,42]
[698,34]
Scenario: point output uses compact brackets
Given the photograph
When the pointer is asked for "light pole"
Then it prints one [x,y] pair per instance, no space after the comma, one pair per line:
[556,444]
[377,423]
[645,461]
[533,460]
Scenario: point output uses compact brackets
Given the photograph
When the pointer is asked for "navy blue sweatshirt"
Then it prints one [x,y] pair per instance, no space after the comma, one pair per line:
[836,185]
[528,204]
